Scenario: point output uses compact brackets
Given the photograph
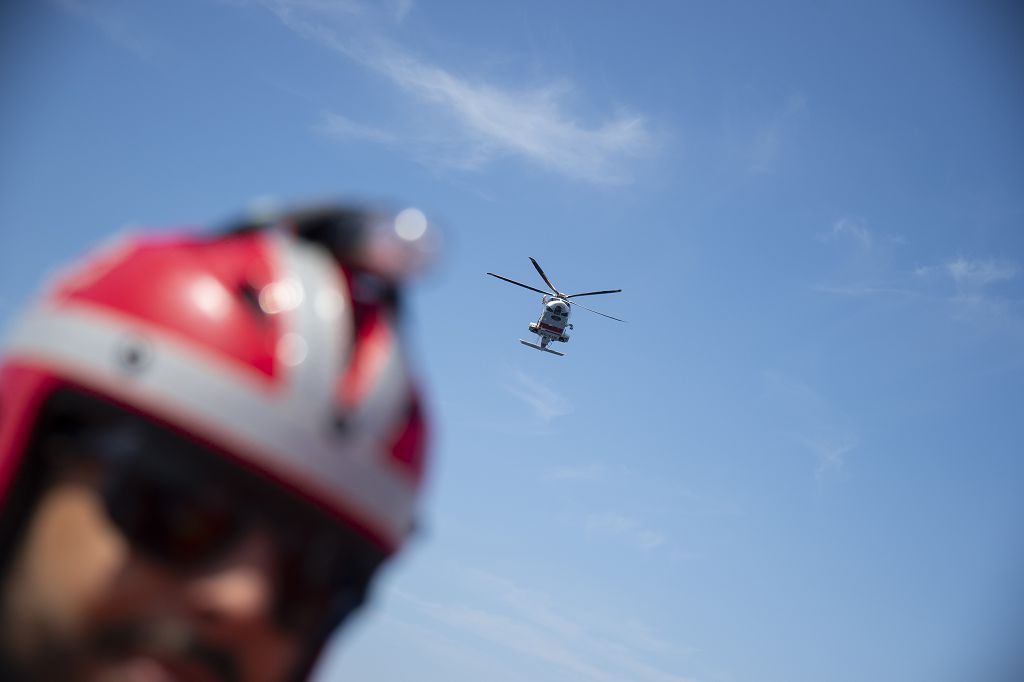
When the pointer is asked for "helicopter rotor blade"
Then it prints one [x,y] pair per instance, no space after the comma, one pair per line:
[591,293]
[543,276]
[525,286]
[593,311]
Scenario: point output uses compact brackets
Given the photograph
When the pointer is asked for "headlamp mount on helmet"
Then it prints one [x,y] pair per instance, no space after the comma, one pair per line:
[394,245]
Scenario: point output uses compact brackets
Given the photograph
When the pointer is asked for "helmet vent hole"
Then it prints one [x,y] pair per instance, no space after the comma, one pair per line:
[248,292]
[134,355]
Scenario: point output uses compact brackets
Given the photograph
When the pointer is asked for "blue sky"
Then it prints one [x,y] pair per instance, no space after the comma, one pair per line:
[800,460]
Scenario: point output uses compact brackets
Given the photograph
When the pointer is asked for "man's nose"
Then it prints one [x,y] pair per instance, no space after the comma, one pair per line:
[239,587]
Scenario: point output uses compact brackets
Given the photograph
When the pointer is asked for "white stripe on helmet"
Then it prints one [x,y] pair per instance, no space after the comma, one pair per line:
[285,431]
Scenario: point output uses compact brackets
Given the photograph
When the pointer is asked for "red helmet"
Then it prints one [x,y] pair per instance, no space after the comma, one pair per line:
[275,342]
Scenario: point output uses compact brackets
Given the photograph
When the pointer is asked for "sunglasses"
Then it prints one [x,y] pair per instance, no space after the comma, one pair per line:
[184,525]
[185,506]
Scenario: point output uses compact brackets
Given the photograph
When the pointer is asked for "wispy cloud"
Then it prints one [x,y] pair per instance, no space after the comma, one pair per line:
[545,402]
[628,528]
[425,643]
[401,9]
[971,273]
[859,290]
[535,628]
[585,472]
[326,8]
[115,25]
[810,419]
[975,274]
[767,145]
[972,279]
[477,121]
[854,229]
[533,124]
[972,290]
[980,293]
[830,456]
[341,128]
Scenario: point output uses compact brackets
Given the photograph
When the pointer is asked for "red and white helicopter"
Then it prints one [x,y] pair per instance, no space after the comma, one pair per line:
[553,323]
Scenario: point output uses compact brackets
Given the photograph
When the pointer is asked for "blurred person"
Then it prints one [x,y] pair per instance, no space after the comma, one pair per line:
[209,443]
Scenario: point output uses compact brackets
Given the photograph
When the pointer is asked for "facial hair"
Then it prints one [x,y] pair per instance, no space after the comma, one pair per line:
[163,639]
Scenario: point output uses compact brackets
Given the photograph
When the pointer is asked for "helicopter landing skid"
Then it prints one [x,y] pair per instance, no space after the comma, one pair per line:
[546,350]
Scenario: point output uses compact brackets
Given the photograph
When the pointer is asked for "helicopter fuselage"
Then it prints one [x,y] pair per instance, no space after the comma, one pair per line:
[553,323]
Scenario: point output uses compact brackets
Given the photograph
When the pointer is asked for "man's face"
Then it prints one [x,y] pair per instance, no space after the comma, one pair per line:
[80,604]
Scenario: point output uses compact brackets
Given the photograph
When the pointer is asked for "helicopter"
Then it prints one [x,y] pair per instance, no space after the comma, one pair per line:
[553,323]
